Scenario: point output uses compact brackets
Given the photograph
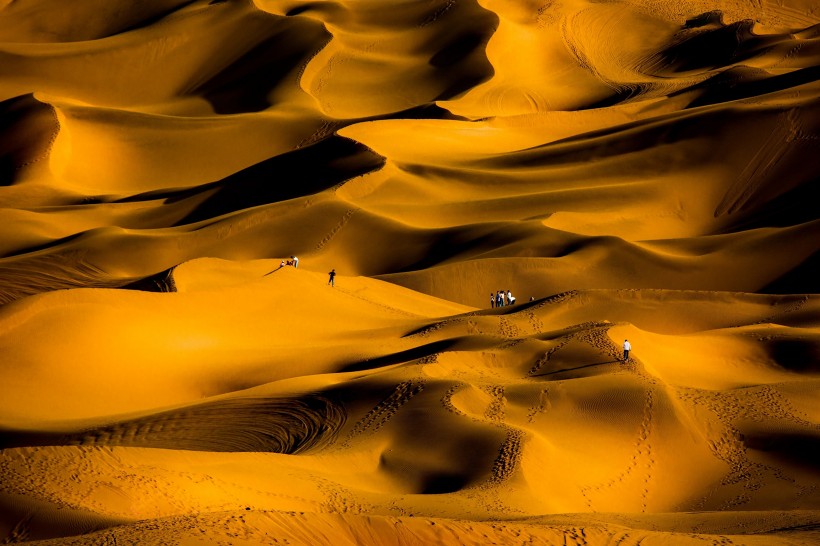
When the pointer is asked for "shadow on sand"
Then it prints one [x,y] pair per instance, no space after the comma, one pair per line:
[577,368]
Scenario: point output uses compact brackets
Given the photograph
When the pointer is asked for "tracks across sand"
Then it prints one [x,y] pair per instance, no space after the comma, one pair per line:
[379,416]
[762,421]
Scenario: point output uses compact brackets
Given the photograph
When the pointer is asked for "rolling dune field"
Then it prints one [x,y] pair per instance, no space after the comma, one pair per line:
[627,169]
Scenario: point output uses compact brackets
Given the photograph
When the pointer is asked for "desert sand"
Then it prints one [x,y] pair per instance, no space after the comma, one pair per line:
[627,169]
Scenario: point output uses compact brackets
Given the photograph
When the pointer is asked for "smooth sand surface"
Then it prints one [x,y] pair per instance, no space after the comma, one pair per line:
[629,169]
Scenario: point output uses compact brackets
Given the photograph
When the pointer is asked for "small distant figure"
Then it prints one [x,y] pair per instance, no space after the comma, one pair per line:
[627,348]
[532,298]
[332,278]
[282,263]
[295,261]
[499,299]
[492,300]
[510,298]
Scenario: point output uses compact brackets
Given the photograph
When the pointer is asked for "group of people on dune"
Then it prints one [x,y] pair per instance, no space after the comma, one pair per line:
[501,298]
[294,261]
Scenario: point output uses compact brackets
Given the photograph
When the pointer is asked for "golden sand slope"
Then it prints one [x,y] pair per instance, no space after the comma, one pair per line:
[374,401]
[640,169]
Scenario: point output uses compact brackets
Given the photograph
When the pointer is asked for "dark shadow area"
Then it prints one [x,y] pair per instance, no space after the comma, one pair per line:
[793,207]
[422,111]
[26,128]
[460,47]
[433,247]
[463,61]
[710,18]
[400,357]
[706,43]
[803,279]
[295,174]
[697,48]
[273,271]
[150,20]
[798,449]
[577,368]
[331,10]
[796,355]
[744,82]
[438,246]
[605,143]
[443,483]
[244,85]
[159,282]
[618,96]
[170,195]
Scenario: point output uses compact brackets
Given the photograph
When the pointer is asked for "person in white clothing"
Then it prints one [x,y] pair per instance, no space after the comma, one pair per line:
[510,298]
[295,261]
[627,348]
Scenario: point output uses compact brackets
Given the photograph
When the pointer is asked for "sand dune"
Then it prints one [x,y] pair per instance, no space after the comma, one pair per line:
[417,408]
[627,169]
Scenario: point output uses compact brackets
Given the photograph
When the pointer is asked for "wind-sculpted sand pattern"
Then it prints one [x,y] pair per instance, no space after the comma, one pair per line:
[288,425]
[629,169]
[51,271]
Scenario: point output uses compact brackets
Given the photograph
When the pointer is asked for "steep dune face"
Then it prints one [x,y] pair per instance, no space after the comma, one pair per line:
[640,170]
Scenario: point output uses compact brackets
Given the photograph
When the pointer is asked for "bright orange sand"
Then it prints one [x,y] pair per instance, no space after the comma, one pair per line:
[628,169]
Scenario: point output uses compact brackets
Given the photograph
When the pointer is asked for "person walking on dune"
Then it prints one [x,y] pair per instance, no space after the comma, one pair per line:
[627,348]
[295,261]
[492,300]
[332,278]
